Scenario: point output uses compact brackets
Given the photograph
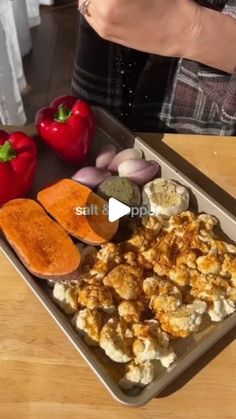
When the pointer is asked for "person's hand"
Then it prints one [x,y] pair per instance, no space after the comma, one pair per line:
[162,27]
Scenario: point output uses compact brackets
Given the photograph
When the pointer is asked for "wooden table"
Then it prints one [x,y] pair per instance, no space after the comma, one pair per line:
[42,375]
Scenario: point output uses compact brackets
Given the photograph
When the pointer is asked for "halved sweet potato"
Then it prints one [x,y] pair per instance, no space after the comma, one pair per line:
[41,244]
[62,200]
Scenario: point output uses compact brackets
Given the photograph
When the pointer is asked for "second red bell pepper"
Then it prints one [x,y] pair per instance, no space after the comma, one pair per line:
[18,161]
[68,127]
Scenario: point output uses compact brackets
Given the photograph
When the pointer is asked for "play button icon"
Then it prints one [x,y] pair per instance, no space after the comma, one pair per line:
[117,210]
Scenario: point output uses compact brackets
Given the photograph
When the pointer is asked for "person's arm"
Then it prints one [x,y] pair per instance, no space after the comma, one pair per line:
[174,28]
[214,43]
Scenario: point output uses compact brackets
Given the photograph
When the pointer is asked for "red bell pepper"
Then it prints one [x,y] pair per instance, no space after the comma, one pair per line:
[68,127]
[18,161]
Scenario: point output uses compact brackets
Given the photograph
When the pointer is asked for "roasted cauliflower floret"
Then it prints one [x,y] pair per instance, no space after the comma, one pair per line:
[185,320]
[206,226]
[151,343]
[109,256]
[150,329]
[209,264]
[207,283]
[181,221]
[188,258]
[168,356]
[158,253]
[220,308]
[96,296]
[89,323]
[131,311]
[161,270]
[66,297]
[164,296]
[216,292]
[192,232]
[154,286]
[223,247]
[138,375]
[126,281]
[142,239]
[231,294]
[164,303]
[209,221]
[130,257]
[201,245]
[179,275]
[154,222]
[229,268]
[116,339]
[151,285]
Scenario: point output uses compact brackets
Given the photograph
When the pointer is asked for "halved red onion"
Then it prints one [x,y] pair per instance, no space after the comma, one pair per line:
[91,176]
[123,156]
[105,156]
[139,171]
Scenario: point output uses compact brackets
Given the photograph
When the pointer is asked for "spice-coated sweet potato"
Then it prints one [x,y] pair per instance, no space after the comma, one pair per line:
[62,200]
[41,244]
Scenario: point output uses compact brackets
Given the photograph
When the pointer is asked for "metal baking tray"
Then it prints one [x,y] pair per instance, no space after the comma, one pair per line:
[188,350]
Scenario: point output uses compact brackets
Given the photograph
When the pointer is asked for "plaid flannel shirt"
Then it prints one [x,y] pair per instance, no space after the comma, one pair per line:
[154,93]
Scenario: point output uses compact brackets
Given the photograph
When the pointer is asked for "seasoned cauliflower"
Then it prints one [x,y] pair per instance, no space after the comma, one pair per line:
[151,286]
[188,258]
[142,239]
[168,356]
[116,339]
[158,253]
[151,343]
[96,296]
[154,222]
[209,264]
[181,221]
[231,294]
[198,243]
[208,286]
[66,297]
[208,220]
[221,308]
[223,247]
[164,303]
[161,270]
[229,268]
[164,296]
[130,257]
[131,311]
[185,320]
[172,269]
[150,329]
[218,294]
[166,287]
[138,375]
[107,258]
[126,281]
[89,323]
[179,275]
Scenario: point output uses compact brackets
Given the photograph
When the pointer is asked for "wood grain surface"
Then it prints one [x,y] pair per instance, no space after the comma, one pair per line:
[42,375]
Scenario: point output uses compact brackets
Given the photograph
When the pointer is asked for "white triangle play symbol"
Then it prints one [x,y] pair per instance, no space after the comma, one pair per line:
[117,210]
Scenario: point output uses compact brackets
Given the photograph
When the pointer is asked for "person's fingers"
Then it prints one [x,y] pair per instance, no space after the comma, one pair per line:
[92,12]
[85,7]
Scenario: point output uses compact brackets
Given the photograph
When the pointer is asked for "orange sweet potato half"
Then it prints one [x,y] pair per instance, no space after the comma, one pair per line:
[62,199]
[40,243]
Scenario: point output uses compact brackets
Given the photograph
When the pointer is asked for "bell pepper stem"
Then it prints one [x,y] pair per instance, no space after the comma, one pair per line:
[7,152]
[63,113]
